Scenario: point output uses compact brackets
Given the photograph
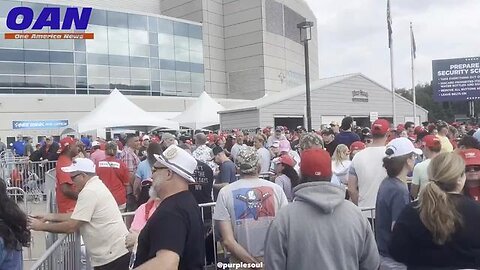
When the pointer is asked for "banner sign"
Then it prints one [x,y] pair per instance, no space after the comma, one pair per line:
[39,124]
[456,79]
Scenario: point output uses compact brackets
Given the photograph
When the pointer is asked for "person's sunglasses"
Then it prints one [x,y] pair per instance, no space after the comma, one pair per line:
[73,176]
[472,169]
[154,169]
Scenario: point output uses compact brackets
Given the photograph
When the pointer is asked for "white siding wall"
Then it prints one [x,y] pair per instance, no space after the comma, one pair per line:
[244,120]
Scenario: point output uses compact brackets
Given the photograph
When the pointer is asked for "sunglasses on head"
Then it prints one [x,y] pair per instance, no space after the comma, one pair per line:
[154,169]
[472,169]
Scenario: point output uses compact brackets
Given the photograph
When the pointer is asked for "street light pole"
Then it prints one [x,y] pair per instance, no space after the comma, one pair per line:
[305,36]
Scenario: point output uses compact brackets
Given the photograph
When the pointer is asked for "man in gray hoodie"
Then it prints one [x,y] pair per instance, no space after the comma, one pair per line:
[320,229]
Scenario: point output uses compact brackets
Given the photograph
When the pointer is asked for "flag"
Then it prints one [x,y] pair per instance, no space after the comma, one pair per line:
[414,46]
[389,25]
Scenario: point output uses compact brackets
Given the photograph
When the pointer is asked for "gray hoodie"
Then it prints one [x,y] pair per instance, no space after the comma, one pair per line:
[320,230]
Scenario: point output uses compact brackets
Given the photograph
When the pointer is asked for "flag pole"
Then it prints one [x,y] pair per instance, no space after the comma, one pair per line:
[392,79]
[413,56]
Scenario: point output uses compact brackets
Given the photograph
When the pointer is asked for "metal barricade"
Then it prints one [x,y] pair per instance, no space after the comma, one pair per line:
[30,176]
[64,254]
[369,212]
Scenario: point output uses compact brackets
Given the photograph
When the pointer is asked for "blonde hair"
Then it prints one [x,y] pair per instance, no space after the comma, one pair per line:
[340,154]
[437,211]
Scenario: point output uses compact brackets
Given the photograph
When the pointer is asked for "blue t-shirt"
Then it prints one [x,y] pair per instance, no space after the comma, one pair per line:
[19,147]
[227,173]
[346,137]
[10,259]
[144,170]
[392,197]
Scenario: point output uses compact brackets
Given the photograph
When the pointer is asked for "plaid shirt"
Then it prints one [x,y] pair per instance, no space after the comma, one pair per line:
[130,159]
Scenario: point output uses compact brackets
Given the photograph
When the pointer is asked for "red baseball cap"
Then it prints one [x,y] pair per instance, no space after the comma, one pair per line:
[400,128]
[431,141]
[286,159]
[66,142]
[358,145]
[418,130]
[316,162]
[470,156]
[380,127]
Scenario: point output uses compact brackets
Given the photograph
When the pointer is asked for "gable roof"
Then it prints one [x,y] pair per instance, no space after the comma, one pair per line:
[300,90]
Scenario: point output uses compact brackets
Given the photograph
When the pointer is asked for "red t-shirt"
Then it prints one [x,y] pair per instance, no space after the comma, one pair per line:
[65,204]
[474,192]
[114,174]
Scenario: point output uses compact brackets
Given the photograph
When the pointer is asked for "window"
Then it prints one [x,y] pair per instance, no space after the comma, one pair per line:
[118,48]
[80,70]
[167,75]
[137,22]
[182,66]
[140,73]
[167,64]
[168,87]
[63,82]
[195,31]
[274,17]
[119,83]
[61,45]
[80,58]
[97,46]
[155,86]
[120,72]
[181,42]
[81,82]
[152,38]
[100,31]
[152,24]
[117,34]
[154,63]
[97,71]
[5,81]
[196,44]
[182,55]
[182,76]
[37,81]
[291,20]
[61,57]
[197,77]
[196,57]
[197,89]
[97,59]
[98,83]
[115,60]
[180,29]
[139,62]
[140,85]
[154,51]
[12,68]
[37,69]
[79,45]
[18,81]
[61,69]
[12,55]
[139,50]
[36,44]
[154,74]
[165,26]
[98,17]
[167,53]
[117,19]
[137,36]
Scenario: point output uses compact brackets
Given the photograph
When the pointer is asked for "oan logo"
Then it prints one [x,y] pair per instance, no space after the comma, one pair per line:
[23,19]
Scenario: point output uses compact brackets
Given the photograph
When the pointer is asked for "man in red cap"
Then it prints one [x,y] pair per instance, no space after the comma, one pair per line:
[65,189]
[356,147]
[367,172]
[290,239]
[472,173]
[431,147]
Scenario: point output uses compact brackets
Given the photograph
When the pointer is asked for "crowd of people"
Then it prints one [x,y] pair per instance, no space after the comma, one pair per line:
[283,199]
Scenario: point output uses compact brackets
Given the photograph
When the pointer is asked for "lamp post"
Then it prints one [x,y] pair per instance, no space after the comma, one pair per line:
[305,36]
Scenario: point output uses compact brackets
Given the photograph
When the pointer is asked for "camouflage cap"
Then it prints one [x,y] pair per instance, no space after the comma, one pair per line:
[310,140]
[247,159]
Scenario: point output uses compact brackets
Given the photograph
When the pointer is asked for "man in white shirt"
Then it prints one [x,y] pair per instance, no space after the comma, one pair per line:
[239,144]
[96,215]
[431,147]
[366,171]
[263,153]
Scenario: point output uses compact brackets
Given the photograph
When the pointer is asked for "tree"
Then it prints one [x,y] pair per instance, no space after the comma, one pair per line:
[436,110]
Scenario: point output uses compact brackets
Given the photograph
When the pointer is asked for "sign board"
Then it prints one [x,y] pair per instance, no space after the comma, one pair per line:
[373,116]
[43,24]
[39,124]
[456,79]
[359,96]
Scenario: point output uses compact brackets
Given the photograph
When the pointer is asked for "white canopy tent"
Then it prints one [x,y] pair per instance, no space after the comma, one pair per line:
[203,113]
[119,111]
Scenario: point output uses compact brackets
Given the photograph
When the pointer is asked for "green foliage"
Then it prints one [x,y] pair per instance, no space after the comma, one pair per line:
[436,110]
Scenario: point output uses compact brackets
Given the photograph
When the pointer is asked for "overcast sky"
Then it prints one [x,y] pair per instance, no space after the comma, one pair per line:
[353,36]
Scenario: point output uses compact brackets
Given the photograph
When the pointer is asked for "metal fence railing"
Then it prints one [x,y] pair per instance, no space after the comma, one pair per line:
[64,254]
[28,175]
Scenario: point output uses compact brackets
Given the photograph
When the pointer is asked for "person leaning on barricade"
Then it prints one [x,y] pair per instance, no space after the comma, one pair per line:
[65,189]
[320,229]
[96,216]
[173,237]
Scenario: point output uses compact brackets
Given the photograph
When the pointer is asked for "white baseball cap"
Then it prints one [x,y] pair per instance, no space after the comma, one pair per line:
[80,165]
[179,161]
[145,137]
[95,143]
[400,147]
